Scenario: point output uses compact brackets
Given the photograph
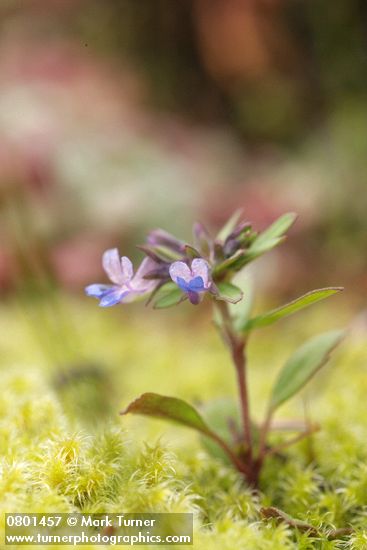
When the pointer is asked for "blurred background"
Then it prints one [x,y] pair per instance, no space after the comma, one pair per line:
[121,116]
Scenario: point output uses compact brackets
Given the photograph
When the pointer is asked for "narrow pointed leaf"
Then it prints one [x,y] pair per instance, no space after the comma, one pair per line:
[191,252]
[229,293]
[169,408]
[272,236]
[279,227]
[303,365]
[234,262]
[229,226]
[302,302]
[160,252]
[259,248]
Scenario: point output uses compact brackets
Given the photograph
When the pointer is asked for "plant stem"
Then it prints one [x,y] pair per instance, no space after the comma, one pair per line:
[241,467]
[236,345]
[240,364]
[263,433]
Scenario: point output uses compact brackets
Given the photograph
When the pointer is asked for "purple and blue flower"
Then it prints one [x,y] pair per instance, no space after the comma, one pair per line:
[127,287]
[194,280]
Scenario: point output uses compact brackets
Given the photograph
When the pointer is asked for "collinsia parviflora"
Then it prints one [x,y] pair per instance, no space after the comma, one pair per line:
[174,271]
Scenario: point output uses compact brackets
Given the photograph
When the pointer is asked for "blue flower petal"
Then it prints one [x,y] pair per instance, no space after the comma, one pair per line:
[196,284]
[183,284]
[113,297]
[97,290]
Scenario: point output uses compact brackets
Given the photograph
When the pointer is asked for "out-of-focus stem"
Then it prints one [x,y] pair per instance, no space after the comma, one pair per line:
[239,360]
[293,440]
[263,434]
[236,345]
[241,467]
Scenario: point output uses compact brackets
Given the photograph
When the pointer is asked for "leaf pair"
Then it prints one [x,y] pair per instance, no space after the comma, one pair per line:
[311,356]
[297,371]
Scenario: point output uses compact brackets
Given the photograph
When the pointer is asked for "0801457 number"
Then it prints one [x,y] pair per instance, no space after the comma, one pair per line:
[26,520]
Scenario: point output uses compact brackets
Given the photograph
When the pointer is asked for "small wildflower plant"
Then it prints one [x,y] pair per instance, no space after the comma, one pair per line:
[174,271]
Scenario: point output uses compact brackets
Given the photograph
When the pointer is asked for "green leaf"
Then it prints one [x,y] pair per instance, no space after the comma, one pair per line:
[303,365]
[161,252]
[229,293]
[169,408]
[191,252]
[279,227]
[302,302]
[169,295]
[234,262]
[259,248]
[271,237]
[180,412]
[229,226]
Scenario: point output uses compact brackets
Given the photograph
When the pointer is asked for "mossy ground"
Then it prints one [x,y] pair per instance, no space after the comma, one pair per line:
[64,447]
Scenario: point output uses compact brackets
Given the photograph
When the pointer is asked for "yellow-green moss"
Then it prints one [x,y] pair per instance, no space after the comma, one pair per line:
[59,455]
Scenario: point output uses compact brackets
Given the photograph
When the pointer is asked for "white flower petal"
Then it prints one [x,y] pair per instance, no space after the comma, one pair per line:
[200,268]
[180,269]
[112,266]
[148,264]
[138,282]
[127,269]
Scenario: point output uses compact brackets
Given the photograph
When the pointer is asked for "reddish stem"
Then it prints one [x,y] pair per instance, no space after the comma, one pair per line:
[236,345]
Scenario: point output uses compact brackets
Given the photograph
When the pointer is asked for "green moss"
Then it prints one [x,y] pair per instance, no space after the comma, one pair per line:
[56,457]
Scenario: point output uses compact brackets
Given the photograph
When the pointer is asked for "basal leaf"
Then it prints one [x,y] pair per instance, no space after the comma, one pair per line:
[180,412]
[169,408]
[302,302]
[303,365]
